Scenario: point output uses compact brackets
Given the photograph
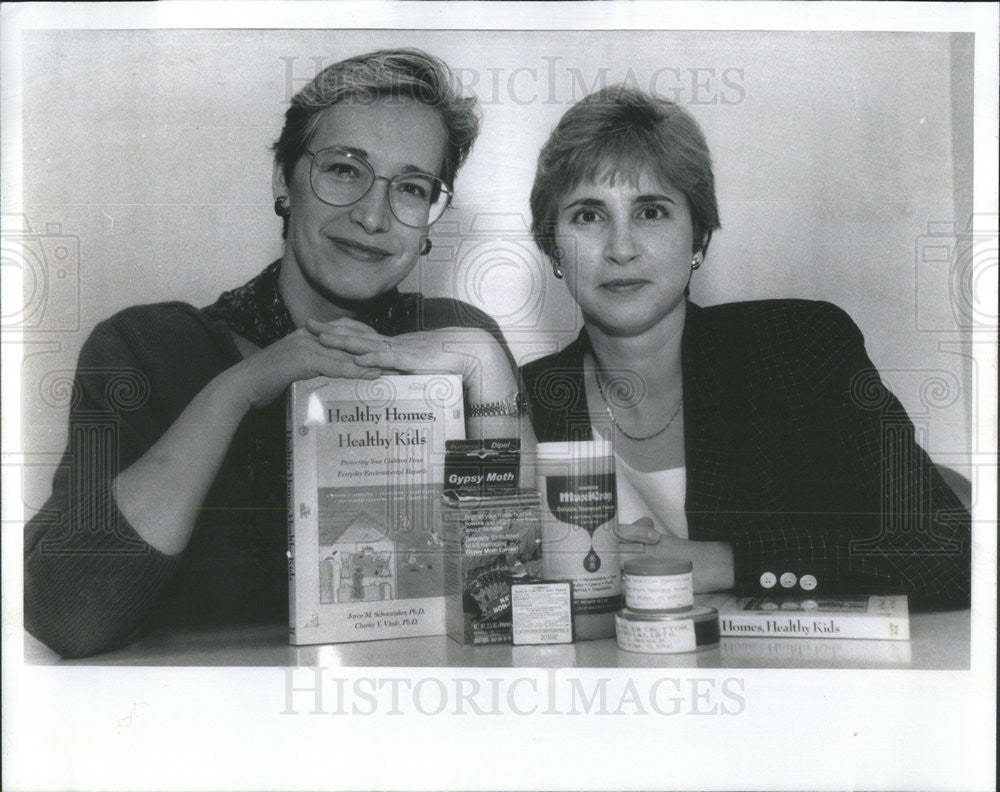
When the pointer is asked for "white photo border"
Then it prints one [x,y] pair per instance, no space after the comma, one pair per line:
[199,728]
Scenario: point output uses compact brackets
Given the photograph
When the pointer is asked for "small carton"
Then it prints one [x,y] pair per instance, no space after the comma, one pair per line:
[489,543]
[541,611]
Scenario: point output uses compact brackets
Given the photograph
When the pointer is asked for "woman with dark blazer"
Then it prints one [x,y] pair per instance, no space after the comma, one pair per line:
[755,439]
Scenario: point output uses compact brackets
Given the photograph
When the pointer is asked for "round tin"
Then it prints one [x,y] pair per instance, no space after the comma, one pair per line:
[658,584]
[667,633]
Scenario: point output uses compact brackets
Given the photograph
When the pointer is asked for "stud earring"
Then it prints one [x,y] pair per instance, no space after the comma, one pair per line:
[425,248]
[696,261]
[281,206]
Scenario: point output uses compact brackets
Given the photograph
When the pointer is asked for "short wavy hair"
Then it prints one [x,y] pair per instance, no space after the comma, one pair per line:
[395,73]
[625,130]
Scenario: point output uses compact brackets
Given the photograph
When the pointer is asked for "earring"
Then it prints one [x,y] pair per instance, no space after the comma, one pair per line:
[557,271]
[425,248]
[696,261]
[281,206]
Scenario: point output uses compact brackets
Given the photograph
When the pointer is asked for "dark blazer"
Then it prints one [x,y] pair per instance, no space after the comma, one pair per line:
[796,453]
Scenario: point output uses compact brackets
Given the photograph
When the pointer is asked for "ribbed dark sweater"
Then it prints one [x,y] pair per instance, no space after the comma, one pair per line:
[91,583]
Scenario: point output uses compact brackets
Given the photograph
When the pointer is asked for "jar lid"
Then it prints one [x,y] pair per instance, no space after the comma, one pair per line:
[657,566]
[696,613]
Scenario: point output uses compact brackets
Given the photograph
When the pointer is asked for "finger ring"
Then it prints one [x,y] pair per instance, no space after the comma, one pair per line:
[388,346]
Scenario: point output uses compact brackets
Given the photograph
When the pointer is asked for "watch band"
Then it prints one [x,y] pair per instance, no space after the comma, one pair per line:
[508,406]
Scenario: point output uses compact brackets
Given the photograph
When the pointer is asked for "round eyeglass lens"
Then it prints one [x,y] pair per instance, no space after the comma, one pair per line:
[341,179]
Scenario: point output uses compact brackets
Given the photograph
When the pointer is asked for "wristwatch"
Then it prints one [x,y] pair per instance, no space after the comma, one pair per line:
[512,405]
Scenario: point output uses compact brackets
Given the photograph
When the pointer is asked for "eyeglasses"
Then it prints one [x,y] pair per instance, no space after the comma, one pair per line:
[340,178]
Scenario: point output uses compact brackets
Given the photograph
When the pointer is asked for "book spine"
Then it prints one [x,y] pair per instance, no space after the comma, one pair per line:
[807,652]
[883,627]
[290,494]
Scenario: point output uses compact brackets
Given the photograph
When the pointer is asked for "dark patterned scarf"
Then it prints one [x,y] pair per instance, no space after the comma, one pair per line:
[257,312]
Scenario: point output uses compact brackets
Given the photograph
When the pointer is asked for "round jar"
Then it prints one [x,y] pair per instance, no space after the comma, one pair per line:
[660,585]
[667,633]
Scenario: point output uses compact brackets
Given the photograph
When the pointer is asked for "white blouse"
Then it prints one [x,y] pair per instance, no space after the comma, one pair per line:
[658,495]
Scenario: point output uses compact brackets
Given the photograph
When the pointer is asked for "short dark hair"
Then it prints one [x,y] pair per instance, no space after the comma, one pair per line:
[624,129]
[396,73]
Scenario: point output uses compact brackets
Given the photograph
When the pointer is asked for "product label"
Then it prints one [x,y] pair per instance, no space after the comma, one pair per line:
[488,543]
[541,613]
[482,467]
[656,637]
[658,592]
[585,501]
[578,540]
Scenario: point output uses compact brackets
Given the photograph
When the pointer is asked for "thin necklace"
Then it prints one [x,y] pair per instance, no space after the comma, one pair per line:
[618,426]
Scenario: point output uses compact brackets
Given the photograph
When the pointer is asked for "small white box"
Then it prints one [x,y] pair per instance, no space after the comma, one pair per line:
[541,612]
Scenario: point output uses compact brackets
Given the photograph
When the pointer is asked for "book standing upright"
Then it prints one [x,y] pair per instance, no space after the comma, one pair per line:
[365,471]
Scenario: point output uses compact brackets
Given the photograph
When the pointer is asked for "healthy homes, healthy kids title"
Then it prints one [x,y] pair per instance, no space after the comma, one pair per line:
[866,617]
[365,469]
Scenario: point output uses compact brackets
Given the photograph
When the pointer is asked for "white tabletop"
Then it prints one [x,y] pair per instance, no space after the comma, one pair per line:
[938,641]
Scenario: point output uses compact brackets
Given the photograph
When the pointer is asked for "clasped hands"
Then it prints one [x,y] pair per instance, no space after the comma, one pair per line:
[350,349]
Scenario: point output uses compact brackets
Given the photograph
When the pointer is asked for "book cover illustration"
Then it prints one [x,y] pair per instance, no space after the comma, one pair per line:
[357,563]
[366,462]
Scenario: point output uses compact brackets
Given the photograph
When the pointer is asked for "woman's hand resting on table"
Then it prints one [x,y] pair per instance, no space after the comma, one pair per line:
[712,561]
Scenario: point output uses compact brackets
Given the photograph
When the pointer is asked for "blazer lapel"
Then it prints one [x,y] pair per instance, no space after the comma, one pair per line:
[711,426]
[560,400]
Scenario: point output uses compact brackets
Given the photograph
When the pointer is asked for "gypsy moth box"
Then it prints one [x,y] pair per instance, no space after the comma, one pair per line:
[490,542]
[365,472]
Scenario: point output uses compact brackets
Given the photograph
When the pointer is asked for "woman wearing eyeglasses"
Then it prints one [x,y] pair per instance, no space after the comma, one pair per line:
[183,517]
[754,439]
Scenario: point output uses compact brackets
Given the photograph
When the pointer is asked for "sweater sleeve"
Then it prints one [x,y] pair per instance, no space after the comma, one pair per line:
[434,313]
[90,579]
[885,521]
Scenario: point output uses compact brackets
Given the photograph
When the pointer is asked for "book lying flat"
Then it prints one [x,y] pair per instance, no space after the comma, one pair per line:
[870,617]
[815,653]
[365,472]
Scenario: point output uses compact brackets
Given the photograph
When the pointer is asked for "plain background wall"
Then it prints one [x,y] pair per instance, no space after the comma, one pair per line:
[842,160]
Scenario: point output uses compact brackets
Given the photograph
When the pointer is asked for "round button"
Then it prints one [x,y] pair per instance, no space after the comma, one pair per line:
[788,580]
[767,580]
[809,604]
[808,582]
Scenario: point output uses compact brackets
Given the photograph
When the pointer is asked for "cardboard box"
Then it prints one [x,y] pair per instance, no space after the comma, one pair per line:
[489,543]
